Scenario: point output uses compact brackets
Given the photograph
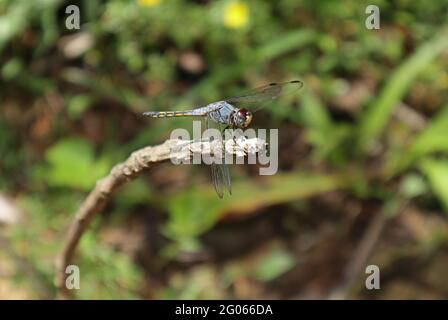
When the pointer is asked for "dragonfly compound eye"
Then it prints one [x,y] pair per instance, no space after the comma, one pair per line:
[245,117]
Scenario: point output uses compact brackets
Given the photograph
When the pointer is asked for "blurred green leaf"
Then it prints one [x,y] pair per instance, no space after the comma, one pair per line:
[285,43]
[432,139]
[437,173]
[314,113]
[273,265]
[78,104]
[72,164]
[194,211]
[12,68]
[13,22]
[319,126]
[413,185]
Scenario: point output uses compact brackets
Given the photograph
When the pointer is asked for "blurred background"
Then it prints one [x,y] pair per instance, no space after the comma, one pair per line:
[363,166]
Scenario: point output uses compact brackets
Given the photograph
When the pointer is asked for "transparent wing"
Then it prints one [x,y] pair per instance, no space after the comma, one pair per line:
[220,172]
[260,97]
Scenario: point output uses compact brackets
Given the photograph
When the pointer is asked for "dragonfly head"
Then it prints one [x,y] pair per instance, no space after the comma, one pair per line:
[242,118]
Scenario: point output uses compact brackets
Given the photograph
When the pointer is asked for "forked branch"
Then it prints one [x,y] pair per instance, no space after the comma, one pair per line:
[143,159]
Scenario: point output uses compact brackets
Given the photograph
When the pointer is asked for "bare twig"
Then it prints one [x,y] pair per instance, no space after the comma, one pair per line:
[139,161]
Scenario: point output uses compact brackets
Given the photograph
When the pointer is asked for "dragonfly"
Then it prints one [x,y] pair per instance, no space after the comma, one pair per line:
[236,112]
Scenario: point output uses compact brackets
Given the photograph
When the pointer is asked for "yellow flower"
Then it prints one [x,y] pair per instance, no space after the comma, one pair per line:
[148,3]
[236,15]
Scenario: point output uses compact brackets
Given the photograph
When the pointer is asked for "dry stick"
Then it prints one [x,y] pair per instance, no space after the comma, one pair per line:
[178,151]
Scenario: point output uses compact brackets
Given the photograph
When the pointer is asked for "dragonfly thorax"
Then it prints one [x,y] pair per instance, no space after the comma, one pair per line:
[242,118]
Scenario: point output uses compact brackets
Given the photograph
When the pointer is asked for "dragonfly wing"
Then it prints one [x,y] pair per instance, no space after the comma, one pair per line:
[260,97]
[223,172]
[220,171]
[218,177]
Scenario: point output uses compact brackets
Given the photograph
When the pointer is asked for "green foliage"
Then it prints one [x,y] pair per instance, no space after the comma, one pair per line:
[375,118]
[202,282]
[432,139]
[273,265]
[12,68]
[320,126]
[72,164]
[437,173]
[112,274]
[77,105]
[205,209]
[36,240]
[413,185]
